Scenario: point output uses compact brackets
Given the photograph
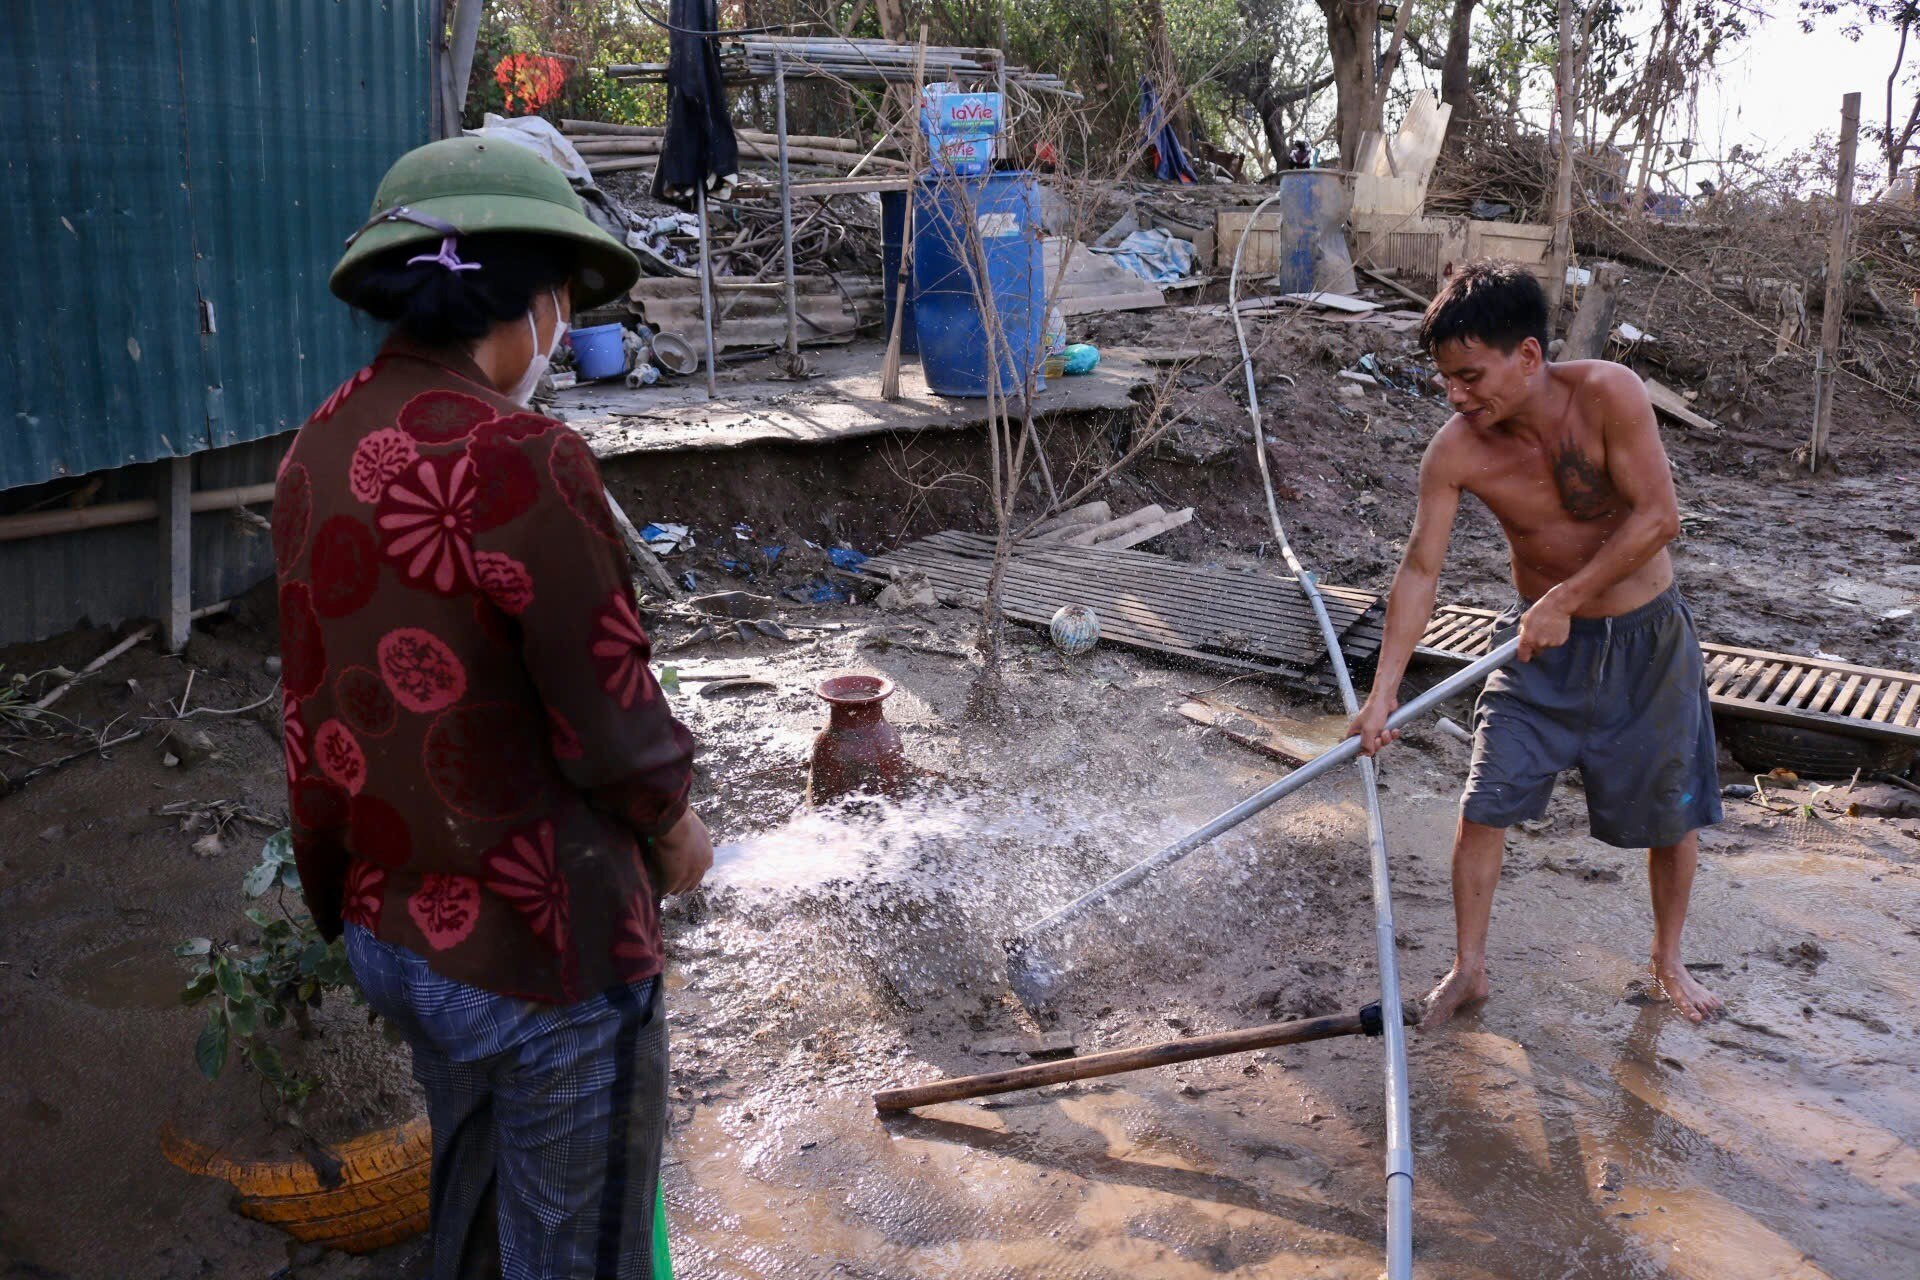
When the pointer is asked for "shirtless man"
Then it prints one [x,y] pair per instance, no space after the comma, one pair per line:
[1610,677]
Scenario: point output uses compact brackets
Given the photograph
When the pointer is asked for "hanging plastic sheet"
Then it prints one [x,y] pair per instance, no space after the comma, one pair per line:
[1169,158]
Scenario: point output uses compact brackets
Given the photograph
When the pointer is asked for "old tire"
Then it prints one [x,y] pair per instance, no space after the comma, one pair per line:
[1760,746]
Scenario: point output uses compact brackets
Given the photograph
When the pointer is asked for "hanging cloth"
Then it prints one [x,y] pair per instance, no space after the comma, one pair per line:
[699,145]
[1169,160]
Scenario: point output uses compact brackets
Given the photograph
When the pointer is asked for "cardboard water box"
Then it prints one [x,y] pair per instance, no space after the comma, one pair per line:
[961,128]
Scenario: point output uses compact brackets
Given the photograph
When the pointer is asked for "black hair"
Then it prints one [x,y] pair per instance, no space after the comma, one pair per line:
[1498,303]
[436,306]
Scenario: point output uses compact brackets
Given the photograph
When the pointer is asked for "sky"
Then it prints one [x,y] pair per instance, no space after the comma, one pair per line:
[1784,85]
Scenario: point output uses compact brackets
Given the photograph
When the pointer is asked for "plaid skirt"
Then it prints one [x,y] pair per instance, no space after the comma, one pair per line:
[547,1121]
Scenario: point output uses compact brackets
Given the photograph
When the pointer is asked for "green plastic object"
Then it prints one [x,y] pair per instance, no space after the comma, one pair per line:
[1081,357]
[486,185]
[662,1262]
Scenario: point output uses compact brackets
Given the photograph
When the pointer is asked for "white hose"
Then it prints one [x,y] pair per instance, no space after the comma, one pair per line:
[1399,1161]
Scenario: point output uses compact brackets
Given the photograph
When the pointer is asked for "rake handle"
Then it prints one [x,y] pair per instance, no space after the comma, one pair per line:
[1115,1061]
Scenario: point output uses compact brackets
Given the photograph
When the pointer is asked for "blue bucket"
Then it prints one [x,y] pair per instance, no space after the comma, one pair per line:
[599,352]
[1003,209]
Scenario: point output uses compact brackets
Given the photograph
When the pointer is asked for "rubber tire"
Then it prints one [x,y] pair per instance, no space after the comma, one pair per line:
[1760,746]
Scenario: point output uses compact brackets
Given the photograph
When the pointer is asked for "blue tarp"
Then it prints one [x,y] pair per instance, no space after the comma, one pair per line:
[1157,256]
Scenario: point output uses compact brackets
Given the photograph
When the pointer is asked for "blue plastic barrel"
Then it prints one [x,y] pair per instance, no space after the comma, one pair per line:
[1312,251]
[1003,210]
[893,231]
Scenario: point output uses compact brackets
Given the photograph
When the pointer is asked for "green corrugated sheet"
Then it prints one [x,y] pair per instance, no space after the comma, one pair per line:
[167,161]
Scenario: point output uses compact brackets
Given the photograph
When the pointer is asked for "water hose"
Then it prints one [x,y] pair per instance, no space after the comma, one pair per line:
[1399,1159]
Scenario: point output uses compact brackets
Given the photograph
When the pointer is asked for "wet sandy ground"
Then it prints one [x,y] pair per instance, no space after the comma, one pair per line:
[1563,1130]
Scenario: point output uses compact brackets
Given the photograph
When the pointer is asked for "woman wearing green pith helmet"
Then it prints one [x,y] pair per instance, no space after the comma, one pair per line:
[489,793]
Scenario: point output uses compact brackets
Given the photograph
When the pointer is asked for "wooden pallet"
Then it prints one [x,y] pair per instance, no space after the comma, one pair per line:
[1781,687]
[1243,621]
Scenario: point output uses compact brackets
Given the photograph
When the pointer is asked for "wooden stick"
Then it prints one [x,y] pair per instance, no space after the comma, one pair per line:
[1163,1054]
[1828,358]
[890,367]
[1391,283]
[99,662]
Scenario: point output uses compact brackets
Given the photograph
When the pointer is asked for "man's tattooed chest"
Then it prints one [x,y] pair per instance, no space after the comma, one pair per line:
[1586,492]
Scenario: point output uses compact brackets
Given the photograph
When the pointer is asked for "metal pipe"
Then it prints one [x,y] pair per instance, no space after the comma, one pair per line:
[706,282]
[786,208]
[1324,763]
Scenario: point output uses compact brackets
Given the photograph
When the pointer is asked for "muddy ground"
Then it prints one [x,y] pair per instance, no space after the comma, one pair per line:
[1565,1130]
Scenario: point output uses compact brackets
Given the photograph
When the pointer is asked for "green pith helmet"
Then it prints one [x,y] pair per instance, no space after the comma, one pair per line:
[467,186]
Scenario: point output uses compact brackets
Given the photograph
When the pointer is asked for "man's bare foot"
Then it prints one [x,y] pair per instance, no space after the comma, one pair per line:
[1687,995]
[1460,988]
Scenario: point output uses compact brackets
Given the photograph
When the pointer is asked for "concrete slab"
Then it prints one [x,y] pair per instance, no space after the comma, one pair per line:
[841,402]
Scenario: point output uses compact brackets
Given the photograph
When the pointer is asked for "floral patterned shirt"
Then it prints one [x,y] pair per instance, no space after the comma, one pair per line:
[475,745]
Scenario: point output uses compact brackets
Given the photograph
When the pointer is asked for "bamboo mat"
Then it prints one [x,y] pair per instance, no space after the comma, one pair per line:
[1240,620]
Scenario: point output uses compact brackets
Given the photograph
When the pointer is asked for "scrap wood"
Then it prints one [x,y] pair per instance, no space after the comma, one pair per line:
[1670,402]
[1396,286]
[1288,741]
[1088,513]
[1332,301]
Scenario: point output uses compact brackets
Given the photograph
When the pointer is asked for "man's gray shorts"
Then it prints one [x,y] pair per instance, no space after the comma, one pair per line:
[1625,700]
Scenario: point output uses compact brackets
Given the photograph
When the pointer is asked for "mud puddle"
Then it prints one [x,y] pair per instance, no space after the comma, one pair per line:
[1562,1130]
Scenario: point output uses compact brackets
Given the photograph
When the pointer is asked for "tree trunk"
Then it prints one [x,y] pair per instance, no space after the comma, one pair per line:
[1350,30]
[1456,85]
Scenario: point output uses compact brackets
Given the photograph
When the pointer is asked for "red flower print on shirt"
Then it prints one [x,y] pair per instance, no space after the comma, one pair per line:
[292,510]
[423,672]
[505,580]
[346,567]
[303,650]
[577,477]
[516,426]
[506,484]
[566,743]
[331,405]
[485,760]
[523,871]
[366,887]
[377,459]
[293,736]
[445,907]
[376,831]
[442,417]
[340,757]
[426,517]
[636,948]
[319,805]
[621,651]
[364,702]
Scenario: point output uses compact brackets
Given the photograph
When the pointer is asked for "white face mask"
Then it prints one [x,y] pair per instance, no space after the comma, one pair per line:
[522,391]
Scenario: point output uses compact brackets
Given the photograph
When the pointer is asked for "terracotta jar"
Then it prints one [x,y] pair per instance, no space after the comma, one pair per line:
[858,750]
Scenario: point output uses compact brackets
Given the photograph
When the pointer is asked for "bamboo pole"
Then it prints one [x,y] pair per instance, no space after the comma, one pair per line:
[107,514]
[1166,1053]
[1827,359]
[890,366]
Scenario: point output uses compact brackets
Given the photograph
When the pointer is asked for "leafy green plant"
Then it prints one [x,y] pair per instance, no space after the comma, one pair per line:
[253,993]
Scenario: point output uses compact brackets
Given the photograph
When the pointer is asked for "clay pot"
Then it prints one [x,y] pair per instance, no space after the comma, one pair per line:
[858,750]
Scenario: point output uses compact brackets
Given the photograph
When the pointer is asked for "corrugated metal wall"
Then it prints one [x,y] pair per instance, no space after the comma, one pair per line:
[106,576]
[168,163]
